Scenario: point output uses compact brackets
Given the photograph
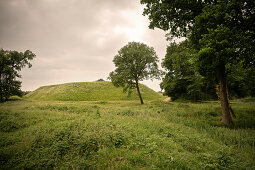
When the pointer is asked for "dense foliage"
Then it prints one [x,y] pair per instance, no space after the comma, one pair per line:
[135,62]
[241,81]
[182,80]
[11,62]
[221,31]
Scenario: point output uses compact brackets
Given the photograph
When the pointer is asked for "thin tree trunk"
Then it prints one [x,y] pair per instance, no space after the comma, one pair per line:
[225,106]
[206,88]
[138,91]
[230,109]
[232,112]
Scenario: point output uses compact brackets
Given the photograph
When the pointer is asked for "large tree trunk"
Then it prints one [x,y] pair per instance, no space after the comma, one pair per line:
[225,105]
[138,91]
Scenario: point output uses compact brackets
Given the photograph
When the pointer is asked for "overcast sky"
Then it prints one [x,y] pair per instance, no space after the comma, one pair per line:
[74,40]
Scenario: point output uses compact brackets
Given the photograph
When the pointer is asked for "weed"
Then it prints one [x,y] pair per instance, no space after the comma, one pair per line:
[98,113]
[89,146]
[126,113]
[58,135]
[118,139]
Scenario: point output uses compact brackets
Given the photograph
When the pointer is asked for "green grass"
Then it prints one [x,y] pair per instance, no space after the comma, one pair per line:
[12,98]
[124,135]
[89,91]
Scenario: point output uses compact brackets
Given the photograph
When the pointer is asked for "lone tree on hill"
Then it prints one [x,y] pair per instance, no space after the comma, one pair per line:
[11,62]
[221,31]
[135,62]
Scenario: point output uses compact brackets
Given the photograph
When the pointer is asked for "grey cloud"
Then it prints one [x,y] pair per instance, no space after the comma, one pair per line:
[74,40]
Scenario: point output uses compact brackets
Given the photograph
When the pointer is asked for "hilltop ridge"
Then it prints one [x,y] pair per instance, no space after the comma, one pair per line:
[88,91]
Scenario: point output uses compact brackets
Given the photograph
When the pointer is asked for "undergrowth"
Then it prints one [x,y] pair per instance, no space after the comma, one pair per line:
[125,135]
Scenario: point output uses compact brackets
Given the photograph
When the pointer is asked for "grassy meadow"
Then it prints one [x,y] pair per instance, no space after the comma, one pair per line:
[125,135]
[88,91]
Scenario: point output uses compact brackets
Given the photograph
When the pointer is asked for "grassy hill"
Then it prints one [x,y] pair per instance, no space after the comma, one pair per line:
[88,91]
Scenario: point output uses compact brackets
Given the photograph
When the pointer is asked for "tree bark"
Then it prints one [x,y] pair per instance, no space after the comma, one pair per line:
[225,106]
[138,91]
[230,109]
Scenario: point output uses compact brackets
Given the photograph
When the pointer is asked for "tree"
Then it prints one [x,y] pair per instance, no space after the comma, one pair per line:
[241,81]
[182,79]
[135,62]
[177,62]
[11,62]
[222,32]
[99,80]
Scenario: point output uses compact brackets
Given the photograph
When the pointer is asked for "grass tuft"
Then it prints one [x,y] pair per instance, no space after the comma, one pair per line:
[124,135]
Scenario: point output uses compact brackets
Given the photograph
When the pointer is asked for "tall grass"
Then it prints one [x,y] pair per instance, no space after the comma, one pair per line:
[124,135]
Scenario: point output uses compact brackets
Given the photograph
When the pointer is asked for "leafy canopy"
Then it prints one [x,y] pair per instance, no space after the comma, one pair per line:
[224,34]
[11,62]
[223,31]
[182,79]
[134,62]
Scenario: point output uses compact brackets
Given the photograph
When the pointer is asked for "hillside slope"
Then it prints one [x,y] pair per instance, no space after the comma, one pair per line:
[88,91]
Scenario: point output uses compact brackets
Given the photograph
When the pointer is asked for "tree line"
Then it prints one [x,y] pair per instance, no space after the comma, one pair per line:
[216,56]
[221,33]
[184,80]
